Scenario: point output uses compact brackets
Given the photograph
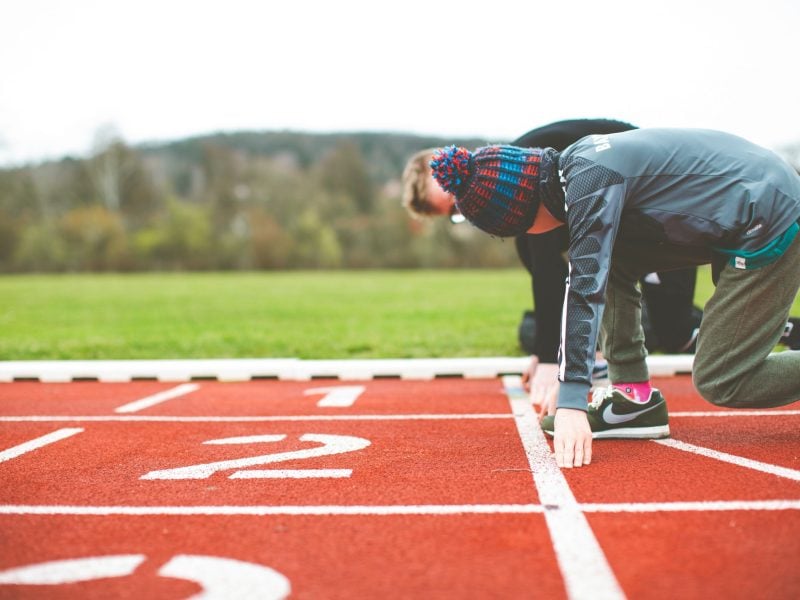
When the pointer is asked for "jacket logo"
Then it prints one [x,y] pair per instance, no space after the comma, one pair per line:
[601,142]
[752,230]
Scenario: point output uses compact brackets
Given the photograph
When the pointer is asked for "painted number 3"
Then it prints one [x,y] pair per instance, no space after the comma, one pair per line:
[330,445]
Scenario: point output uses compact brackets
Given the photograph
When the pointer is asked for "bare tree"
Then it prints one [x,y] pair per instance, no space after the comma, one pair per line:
[108,166]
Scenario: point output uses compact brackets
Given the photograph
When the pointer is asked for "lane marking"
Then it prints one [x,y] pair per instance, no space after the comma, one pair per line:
[266,419]
[228,579]
[700,506]
[736,413]
[292,474]
[392,510]
[337,397]
[311,510]
[260,419]
[39,442]
[220,578]
[732,459]
[330,446]
[158,398]
[74,570]
[582,562]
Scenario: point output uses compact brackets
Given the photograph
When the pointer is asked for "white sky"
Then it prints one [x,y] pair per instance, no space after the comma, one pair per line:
[163,69]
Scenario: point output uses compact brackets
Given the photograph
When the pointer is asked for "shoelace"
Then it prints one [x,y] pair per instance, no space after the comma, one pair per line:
[600,394]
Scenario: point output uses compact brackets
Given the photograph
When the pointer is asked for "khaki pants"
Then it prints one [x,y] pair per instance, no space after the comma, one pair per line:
[742,323]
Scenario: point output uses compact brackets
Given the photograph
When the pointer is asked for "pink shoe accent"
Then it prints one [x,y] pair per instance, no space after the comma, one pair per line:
[638,392]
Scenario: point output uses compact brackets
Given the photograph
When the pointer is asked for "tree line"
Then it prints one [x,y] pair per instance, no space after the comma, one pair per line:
[248,200]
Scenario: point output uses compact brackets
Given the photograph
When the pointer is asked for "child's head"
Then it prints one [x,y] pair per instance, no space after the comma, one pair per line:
[496,188]
[422,196]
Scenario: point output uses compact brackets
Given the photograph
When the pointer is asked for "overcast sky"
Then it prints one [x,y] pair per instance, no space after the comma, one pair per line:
[164,69]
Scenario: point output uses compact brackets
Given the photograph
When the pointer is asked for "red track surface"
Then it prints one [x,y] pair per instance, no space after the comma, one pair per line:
[427,492]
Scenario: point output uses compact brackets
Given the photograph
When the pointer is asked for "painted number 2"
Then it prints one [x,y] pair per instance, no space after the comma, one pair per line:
[331,444]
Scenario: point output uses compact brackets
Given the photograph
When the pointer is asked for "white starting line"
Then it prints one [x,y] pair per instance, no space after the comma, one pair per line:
[278,418]
[246,419]
[395,510]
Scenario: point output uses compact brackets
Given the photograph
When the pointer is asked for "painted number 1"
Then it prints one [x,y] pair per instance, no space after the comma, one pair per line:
[331,444]
[340,396]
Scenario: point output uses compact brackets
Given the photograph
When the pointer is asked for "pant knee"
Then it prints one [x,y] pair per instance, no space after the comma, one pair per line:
[718,394]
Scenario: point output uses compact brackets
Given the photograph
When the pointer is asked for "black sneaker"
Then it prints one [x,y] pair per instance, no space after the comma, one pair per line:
[612,414]
[791,335]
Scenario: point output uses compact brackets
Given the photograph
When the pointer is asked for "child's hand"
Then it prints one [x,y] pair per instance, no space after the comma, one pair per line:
[572,438]
[530,373]
[544,389]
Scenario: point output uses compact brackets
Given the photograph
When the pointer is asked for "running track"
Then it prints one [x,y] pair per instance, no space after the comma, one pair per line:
[386,488]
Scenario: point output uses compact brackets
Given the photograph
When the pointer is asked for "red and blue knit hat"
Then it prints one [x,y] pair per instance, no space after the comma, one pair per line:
[496,188]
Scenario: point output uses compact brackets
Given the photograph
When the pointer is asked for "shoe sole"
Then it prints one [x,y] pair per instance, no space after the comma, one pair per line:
[629,433]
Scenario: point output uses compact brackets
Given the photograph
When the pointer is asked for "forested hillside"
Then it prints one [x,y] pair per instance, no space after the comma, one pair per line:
[247,200]
[266,200]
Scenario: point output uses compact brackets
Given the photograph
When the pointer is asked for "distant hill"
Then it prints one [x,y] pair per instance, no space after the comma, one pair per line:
[384,153]
[232,200]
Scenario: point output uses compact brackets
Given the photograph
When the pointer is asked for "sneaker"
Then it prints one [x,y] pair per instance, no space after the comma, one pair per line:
[791,334]
[613,415]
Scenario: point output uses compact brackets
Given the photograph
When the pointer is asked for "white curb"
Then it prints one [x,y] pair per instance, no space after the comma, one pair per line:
[289,369]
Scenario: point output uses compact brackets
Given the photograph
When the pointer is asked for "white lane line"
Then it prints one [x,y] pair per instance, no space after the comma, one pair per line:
[158,398]
[265,419]
[258,419]
[311,510]
[702,506]
[732,459]
[736,413]
[583,564]
[293,474]
[390,510]
[39,442]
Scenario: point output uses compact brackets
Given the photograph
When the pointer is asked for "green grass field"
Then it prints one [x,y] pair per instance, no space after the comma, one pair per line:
[342,314]
[309,315]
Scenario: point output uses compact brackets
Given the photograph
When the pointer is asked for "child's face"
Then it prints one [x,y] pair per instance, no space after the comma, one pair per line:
[439,201]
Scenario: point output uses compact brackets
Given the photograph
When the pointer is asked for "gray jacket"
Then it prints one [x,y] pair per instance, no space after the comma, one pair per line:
[684,195]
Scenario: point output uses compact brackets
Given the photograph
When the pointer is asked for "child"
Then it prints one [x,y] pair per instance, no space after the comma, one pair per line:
[633,203]
[668,297]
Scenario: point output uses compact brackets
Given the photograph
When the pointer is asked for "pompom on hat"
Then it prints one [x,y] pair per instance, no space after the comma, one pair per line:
[496,187]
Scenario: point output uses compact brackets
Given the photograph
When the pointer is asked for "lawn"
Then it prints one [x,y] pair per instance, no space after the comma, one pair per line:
[340,314]
[309,315]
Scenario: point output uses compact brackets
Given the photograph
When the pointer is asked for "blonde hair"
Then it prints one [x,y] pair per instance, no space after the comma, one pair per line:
[416,179]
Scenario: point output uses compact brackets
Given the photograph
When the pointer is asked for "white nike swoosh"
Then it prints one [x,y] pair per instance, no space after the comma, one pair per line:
[609,416]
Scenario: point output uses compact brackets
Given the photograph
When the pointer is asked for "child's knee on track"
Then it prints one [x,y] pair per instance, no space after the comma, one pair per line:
[715,389]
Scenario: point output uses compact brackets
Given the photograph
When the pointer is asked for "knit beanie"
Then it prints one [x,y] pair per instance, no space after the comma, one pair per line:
[496,187]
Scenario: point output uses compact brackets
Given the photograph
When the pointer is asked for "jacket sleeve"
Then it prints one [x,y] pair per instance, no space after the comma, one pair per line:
[594,199]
